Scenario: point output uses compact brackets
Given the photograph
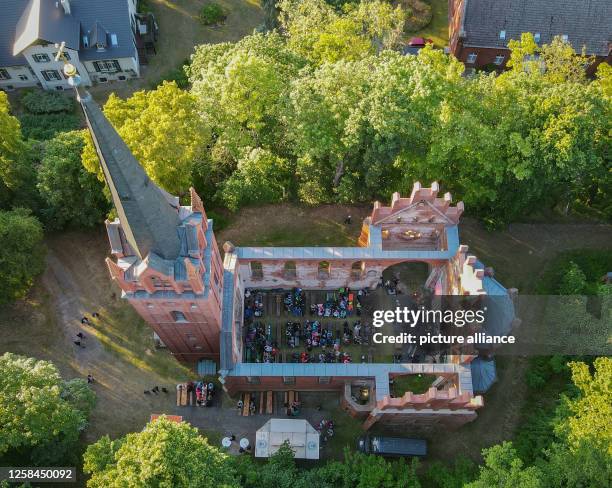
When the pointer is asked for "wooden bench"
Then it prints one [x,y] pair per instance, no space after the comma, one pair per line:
[181,395]
[290,397]
[247,403]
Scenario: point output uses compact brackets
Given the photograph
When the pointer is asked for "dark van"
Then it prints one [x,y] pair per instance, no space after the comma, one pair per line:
[392,446]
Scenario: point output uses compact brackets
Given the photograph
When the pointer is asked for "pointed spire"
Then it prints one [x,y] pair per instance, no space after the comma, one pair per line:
[147,218]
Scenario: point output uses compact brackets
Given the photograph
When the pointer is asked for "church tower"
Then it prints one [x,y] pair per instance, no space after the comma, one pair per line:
[167,262]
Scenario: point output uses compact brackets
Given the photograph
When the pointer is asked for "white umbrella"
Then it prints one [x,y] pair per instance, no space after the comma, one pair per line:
[226,442]
[244,443]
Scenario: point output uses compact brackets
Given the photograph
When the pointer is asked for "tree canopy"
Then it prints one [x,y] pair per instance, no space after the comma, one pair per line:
[72,195]
[41,416]
[327,109]
[21,253]
[164,131]
[164,454]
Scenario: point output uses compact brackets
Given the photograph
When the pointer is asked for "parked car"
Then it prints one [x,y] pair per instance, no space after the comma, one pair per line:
[415,44]
[392,446]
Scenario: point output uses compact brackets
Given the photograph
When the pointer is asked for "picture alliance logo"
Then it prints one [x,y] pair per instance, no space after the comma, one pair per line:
[423,316]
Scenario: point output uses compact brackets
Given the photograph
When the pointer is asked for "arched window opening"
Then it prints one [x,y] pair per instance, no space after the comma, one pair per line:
[178,316]
[290,270]
[357,270]
[256,270]
[324,269]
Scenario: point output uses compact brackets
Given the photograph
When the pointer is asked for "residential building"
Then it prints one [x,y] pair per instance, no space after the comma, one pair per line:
[168,265]
[99,39]
[479,30]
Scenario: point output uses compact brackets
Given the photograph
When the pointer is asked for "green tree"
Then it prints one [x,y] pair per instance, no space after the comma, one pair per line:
[261,177]
[582,454]
[17,174]
[164,454]
[21,253]
[573,281]
[37,422]
[322,34]
[164,131]
[592,410]
[504,469]
[72,196]
[242,90]
[461,472]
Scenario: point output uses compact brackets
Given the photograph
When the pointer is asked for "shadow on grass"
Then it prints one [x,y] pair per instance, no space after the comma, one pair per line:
[122,332]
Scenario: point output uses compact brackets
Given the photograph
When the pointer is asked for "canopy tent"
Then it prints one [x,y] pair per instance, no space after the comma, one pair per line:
[302,437]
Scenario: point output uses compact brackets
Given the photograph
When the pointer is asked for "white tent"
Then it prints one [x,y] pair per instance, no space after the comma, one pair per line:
[302,437]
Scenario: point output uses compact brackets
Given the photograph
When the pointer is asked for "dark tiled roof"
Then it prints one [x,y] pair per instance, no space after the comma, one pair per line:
[147,218]
[113,15]
[585,22]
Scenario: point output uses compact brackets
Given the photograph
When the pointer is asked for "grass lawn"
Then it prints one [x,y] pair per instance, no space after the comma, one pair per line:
[437,30]
[415,383]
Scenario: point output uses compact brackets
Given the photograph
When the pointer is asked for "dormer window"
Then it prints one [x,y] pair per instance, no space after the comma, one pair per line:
[537,37]
[85,41]
[502,34]
[114,41]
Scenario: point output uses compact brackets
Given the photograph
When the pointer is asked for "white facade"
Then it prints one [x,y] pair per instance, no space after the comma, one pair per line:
[44,71]
[13,77]
[41,59]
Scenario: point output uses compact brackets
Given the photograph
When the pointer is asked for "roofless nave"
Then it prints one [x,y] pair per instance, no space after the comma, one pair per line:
[170,269]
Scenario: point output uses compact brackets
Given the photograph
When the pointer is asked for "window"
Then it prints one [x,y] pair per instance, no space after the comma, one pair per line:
[324,380]
[150,305]
[51,75]
[114,41]
[256,270]
[85,41]
[290,270]
[40,58]
[357,270]
[107,66]
[289,380]
[66,55]
[23,78]
[178,316]
[324,269]
[472,58]
[502,34]
[564,37]
[536,37]
[121,78]
[499,59]
[4,74]
[253,380]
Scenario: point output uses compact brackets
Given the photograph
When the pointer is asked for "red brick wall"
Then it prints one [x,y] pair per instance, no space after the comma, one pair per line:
[236,384]
[485,55]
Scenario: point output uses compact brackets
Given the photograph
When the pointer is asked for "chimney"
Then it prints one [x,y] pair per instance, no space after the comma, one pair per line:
[66,6]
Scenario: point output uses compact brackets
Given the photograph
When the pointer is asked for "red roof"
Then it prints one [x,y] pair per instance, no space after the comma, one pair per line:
[172,418]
